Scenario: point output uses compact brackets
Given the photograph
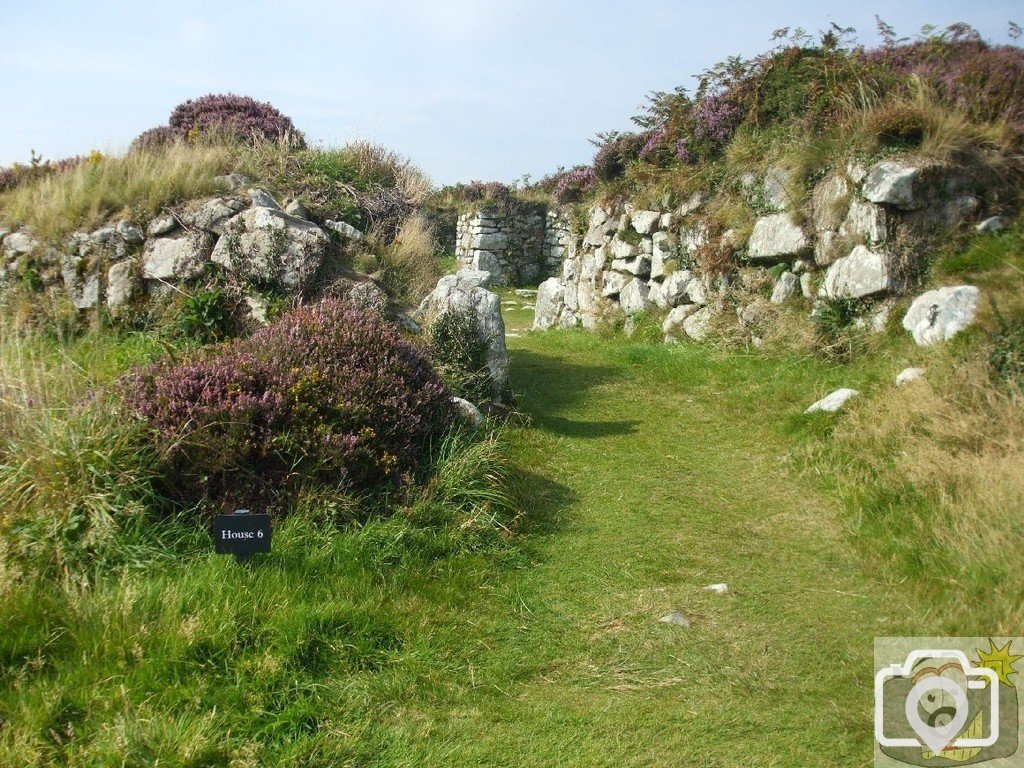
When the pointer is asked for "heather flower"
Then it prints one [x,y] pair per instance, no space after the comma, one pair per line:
[715,118]
[684,154]
[574,185]
[616,153]
[328,393]
[239,117]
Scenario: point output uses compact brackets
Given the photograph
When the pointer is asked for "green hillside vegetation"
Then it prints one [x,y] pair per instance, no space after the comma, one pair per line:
[444,593]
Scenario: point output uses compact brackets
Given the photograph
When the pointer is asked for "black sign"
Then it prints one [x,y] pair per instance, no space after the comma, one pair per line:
[241,534]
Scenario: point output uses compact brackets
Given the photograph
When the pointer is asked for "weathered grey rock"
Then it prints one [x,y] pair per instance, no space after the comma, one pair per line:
[485,261]
[345,229]
[103,235]
[620,249]
[959,209]
[122,284]
[258,309]
[297,209]
[526,293]
[776,238]
[645,222]
[213,215]
[82,288]
[776,189]
[454,293]
[639,265]
[677,618]
[494,241]
[129,233]
[698,325]
[697,291]
[263,199]
[474,277]
[785,288]
[673,325]
[827,201]
[633,297]
[232,181]
[673,291]
[692,204]
[863,273]
[807,285]
[173,258]
[19,244]
[892,182]
[549,311]
[614,282]
[908,375]
[800,266]
[161,225]
[865,221]
[268,245]
[833,401]
[940,314]
[992,225]
[826,248]
[661,251]
[469,411]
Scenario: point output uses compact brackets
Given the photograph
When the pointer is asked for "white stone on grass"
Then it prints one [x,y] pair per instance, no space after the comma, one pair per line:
[833,401]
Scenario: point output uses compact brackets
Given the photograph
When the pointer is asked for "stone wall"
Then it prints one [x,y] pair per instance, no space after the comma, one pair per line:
[242,240]
[862,235]
[517,247]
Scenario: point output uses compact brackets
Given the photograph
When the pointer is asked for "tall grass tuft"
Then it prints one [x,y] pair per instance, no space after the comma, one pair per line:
[935,473]
[409,265]
[74,478]
[140,183]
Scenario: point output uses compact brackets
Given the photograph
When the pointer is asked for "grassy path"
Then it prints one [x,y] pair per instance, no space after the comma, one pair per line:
[659,471]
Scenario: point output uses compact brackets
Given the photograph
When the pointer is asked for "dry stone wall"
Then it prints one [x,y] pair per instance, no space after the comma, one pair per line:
[861,236]
[517,247]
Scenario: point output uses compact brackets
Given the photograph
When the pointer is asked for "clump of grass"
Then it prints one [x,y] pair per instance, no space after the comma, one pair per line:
[409,265]
[933,474]
[138,184]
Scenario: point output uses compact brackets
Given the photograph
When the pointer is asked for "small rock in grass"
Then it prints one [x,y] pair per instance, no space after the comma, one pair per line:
[833,401]
[678,618]
[470,411]
[908,375]
[718,589]
[992,224]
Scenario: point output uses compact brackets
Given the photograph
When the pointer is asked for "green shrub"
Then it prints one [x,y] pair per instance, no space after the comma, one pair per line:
[460,356]
[1006,350]
[205,316]
[327,393]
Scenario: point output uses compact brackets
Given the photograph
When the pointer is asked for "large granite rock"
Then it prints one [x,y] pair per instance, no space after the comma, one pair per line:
[551,310]
[633,297]
[674,325]
[269,247]
[122,284]
[776,238]
[863,273]
[462,294]
[893,183]
[174,258]
[940,314]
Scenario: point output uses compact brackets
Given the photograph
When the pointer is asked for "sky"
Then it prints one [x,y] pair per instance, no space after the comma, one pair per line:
[469,90]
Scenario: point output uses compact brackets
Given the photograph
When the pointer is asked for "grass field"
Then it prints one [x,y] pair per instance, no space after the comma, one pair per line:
[649,472]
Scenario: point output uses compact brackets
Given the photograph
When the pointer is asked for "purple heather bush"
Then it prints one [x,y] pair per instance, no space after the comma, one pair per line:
[328,393]
[21,173]
[573,185]
[684,154]
[715,118]
[239,118]
[616,153]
